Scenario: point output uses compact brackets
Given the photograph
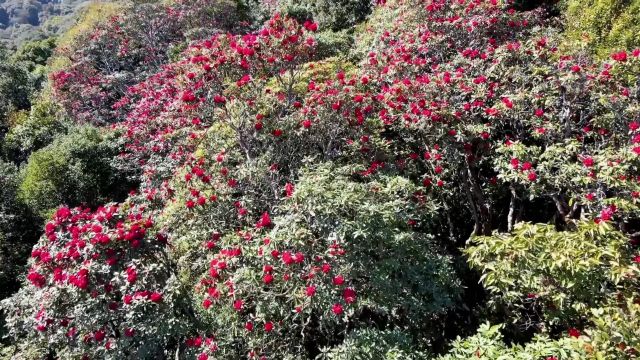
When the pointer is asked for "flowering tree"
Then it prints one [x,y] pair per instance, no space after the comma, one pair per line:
[124,50]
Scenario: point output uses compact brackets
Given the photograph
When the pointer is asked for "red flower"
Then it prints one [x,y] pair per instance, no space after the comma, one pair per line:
[289,188]
[268,326]
[155,297]
[265,221]
[573,332]
[587,161]
[219,99]
[492,111]
[188,96]
[310,26]
[127,299]
[206,303]
[38,280]
[310,290]
[606,214]
[267,279]
[99,335]
[338,280]
[619,56]
[237,305]
[349,295]
[132,275]
[337,309]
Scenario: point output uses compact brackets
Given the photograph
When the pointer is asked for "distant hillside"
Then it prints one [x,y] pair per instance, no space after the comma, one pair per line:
[22,20]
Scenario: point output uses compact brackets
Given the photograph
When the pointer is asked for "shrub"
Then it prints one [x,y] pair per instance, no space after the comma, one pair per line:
[374,345]
[564,273]
[75,169]
[38,129]
[288,205]
[332,43]
[17,233]
[17,236]
[15,89]
[330,15]
[34,56]
[614,330]
[99,286]
[603,26]
[488,344]
[331,257]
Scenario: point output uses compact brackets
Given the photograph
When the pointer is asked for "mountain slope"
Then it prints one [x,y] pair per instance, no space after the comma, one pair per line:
[23,20]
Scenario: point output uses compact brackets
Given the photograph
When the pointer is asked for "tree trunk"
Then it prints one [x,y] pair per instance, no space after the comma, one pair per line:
[514,214]
[479,206]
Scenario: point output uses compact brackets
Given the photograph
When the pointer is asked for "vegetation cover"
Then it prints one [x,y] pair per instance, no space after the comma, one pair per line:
[404,179]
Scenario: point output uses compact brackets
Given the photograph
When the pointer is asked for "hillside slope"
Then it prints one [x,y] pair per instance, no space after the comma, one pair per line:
[23,20]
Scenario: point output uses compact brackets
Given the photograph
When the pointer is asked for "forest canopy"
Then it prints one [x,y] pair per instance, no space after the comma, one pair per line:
[274,179]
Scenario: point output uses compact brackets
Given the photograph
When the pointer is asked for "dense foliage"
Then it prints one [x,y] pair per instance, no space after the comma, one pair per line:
[410,179]
[603,25]
[75,169]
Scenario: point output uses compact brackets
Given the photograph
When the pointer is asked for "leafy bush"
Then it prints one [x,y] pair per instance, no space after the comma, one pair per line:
[15,89]
[330,15]
[565,273]
[34,56]
[37,129]
[587,277]
[488,344]
[99,286]
[374,345]
[604,26]
[331,226]
[332,43]
[17,233]
[75,169]
[17,236]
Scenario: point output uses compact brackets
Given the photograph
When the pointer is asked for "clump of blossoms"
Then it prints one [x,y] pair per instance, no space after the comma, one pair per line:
[125,49]
[99,284]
